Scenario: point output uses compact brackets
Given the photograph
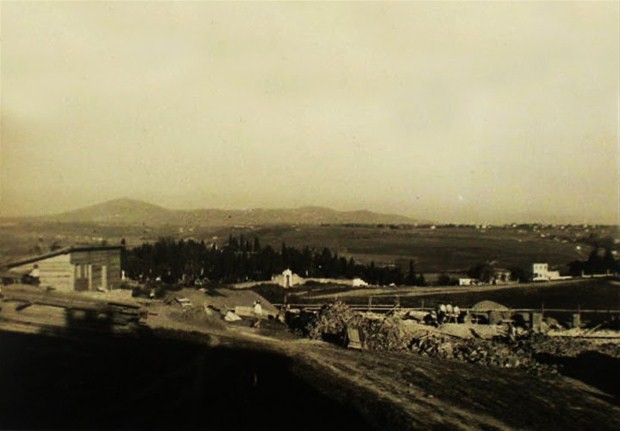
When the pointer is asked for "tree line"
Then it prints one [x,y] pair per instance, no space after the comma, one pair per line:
[245,259]
[600,261]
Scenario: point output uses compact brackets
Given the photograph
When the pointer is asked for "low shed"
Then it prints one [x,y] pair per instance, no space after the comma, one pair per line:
[75,268]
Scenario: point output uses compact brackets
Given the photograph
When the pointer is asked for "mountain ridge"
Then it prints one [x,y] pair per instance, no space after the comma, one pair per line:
[132,212]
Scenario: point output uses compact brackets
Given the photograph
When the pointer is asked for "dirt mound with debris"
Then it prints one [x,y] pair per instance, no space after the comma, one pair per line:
[567,346]
[485,345]
[224,299]
[496,353]
[488,305]
[200,315]
[470,330]
[331,322]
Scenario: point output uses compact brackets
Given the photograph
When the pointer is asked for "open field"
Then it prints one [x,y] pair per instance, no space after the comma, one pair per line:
[437,250]
[21,239]
[433,250]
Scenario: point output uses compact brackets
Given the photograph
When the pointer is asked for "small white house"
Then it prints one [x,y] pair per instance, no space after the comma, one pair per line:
[468,281]
[288,279]
[358,282]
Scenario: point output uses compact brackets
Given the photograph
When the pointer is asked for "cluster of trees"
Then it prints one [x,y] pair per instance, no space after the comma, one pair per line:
[600,261]
[487,273]
[242,259]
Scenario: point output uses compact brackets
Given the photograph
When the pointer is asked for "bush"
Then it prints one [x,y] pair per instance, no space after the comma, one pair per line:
[300,323]
[332,321]
[384,334]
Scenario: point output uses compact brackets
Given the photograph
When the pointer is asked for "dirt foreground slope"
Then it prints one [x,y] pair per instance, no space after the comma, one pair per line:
[405,391]
[188,369]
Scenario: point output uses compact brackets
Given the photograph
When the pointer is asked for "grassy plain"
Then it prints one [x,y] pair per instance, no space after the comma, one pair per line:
[451,250]
[433,250]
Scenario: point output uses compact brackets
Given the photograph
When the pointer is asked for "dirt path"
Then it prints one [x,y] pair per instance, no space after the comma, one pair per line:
[424,291]
[432,393]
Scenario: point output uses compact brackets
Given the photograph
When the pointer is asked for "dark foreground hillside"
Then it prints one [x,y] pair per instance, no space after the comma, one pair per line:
[196,381]
[147,383]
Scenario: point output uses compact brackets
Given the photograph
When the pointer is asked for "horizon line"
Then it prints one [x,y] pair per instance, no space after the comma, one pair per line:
[414,220]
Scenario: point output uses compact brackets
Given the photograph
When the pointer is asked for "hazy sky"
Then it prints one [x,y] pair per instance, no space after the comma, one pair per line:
[467,112]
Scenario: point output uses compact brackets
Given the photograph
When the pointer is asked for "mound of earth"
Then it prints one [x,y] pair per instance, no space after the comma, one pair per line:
[225,299]
[488,306]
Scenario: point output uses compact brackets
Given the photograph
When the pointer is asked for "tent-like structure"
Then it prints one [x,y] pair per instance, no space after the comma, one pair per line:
[491,310]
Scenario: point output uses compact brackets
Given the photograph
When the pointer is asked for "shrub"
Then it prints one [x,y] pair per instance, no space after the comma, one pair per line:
[384,334]
[332,321]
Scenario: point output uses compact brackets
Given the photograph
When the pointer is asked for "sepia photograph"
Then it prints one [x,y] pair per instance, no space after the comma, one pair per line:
[307,216]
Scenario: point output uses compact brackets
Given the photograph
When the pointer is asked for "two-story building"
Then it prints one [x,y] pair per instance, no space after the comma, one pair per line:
[540,272]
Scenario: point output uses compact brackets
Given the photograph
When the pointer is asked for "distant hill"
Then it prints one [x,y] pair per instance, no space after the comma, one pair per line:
[118,211]
[131,212]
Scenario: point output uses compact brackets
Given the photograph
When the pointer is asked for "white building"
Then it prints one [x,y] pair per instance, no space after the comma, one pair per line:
[468,281]
[540,272]
[358,282]
[288,279]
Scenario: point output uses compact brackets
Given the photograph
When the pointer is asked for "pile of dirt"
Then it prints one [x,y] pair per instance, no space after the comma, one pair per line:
[222,300]
[564,346]
[200,315]
[331,322]
[490,353]
[467,330]
[488,306]
[457,342]
[231,299]
[490,310]
[384,334]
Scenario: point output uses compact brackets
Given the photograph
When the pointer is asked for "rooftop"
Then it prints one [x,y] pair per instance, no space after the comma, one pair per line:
[59,252]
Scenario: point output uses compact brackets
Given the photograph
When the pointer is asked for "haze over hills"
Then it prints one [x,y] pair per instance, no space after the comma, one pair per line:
[131,212]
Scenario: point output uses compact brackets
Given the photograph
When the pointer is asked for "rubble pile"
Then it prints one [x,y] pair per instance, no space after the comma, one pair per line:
[490,353]
[563,346]
[332,321]
[377,331]
[395,334]
[384,334]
